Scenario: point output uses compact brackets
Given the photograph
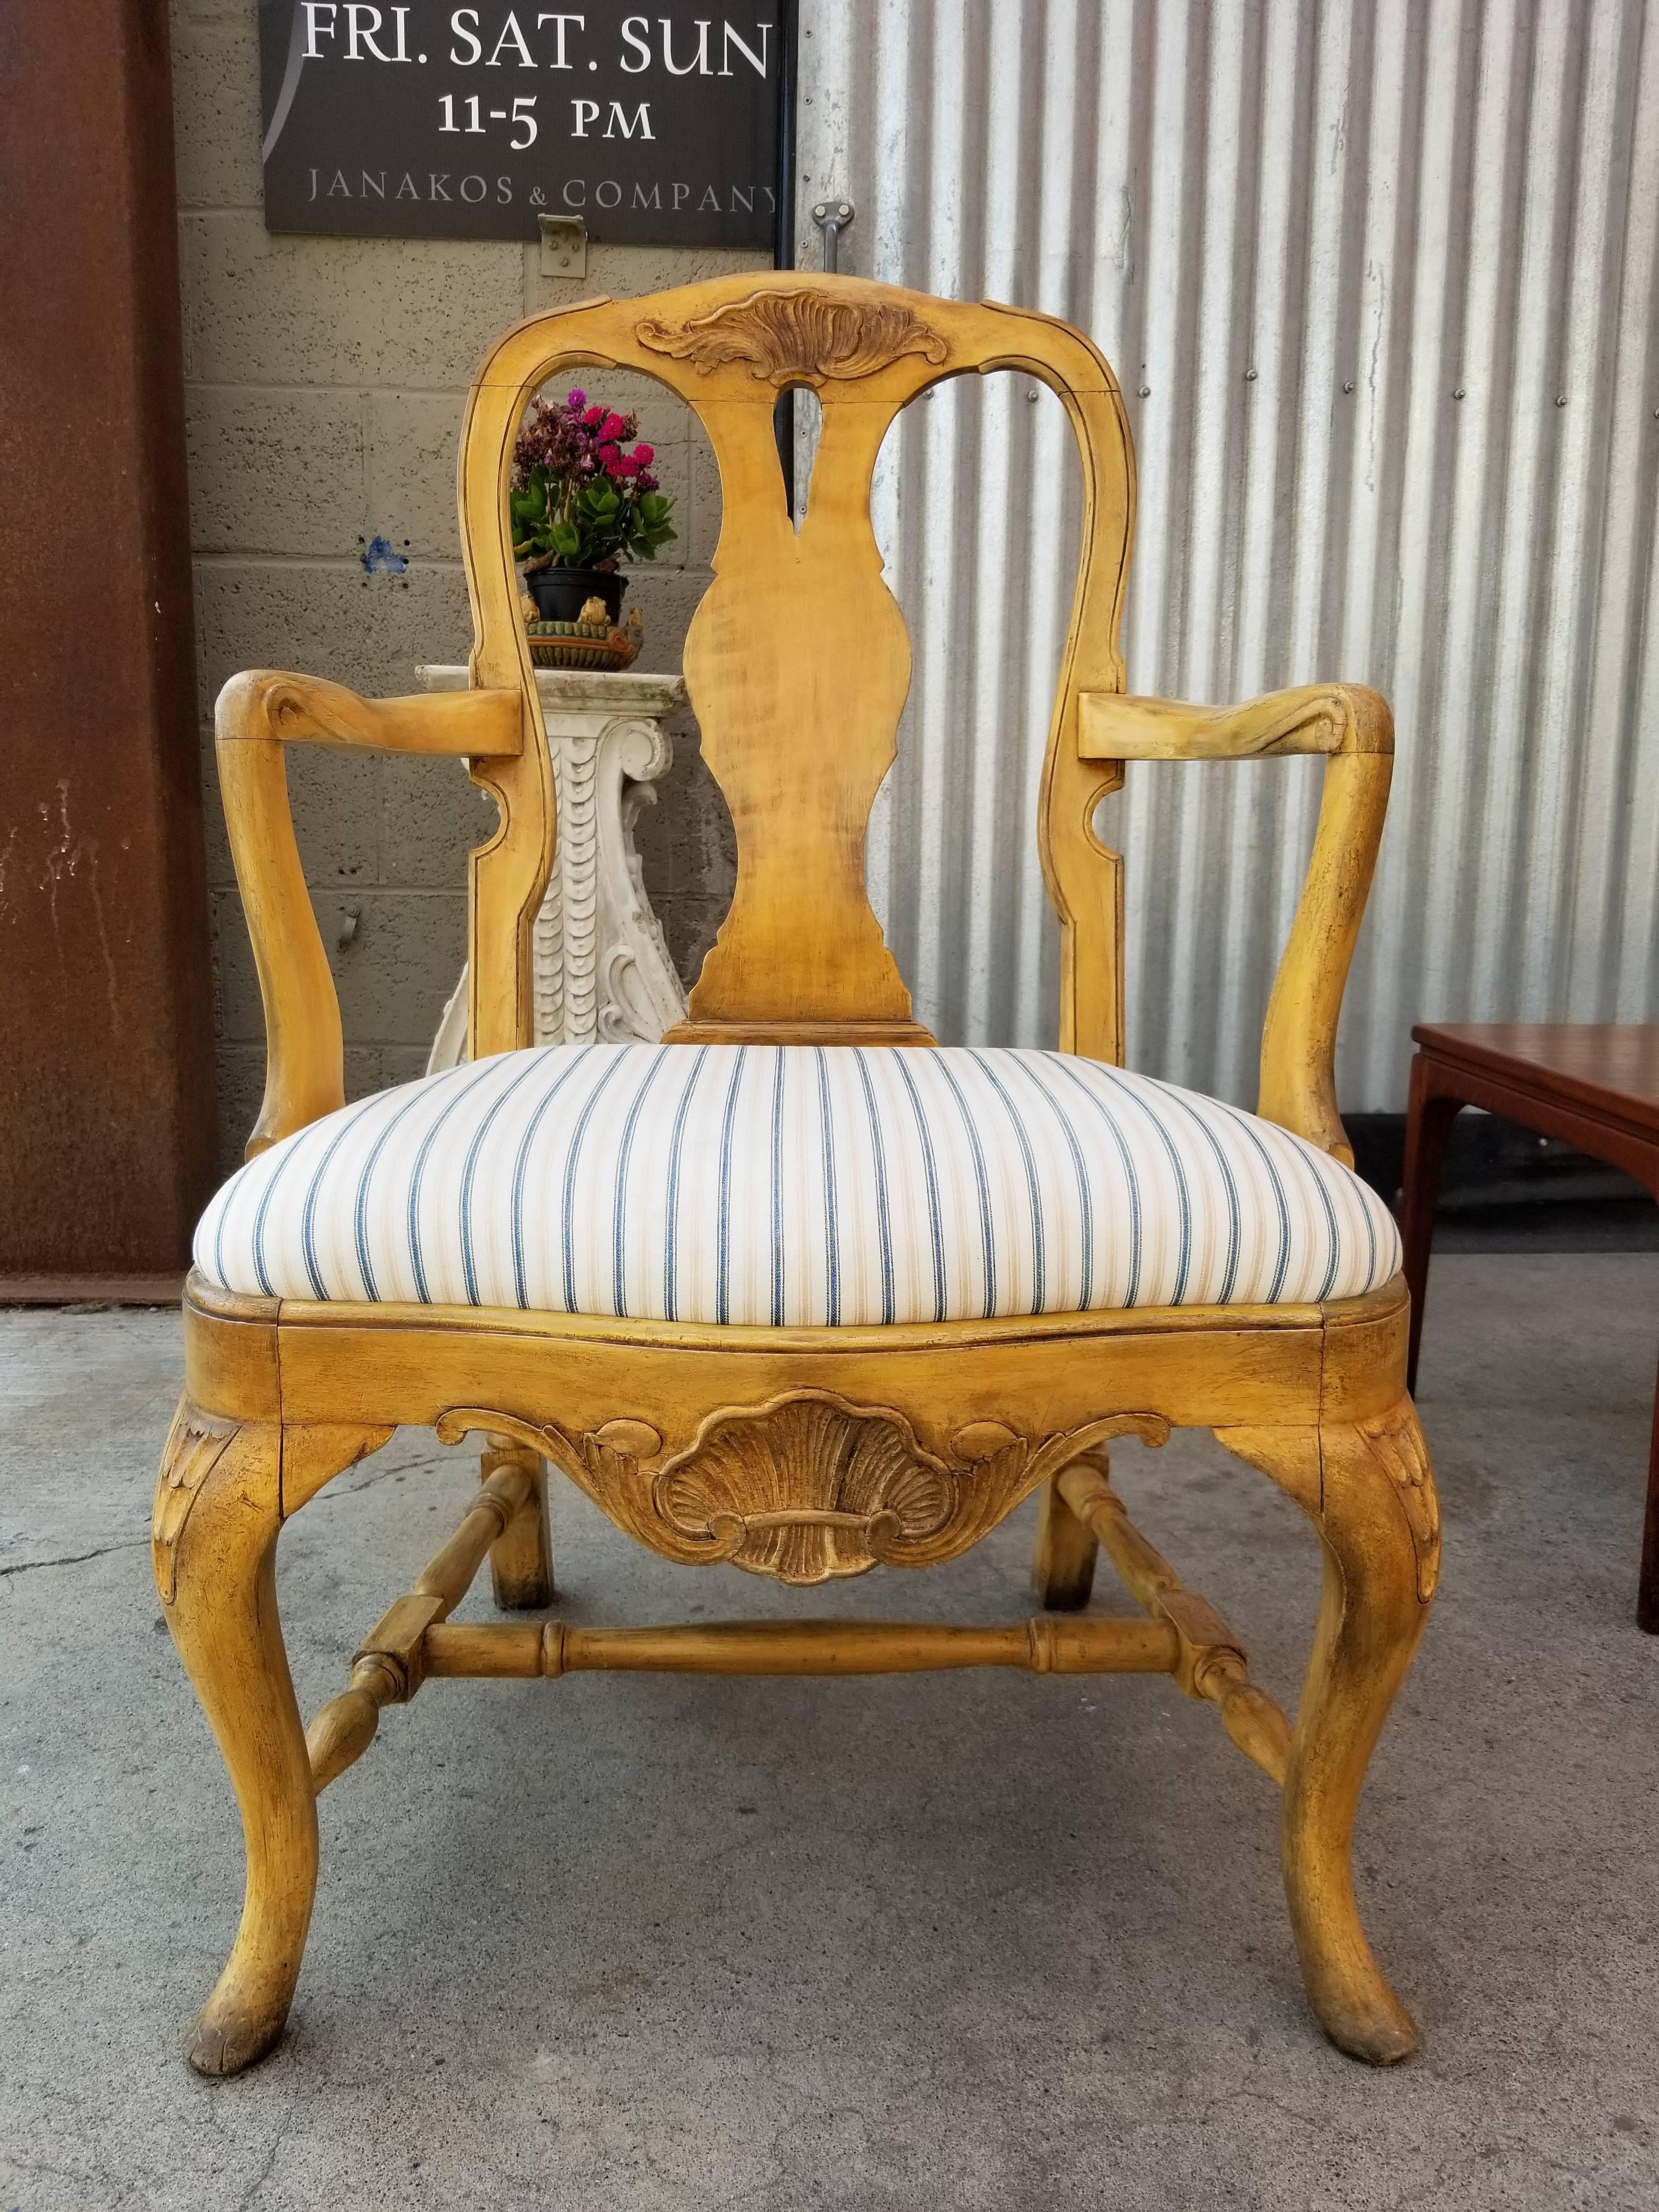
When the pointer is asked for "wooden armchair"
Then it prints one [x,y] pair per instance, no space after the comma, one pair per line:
[797,1290]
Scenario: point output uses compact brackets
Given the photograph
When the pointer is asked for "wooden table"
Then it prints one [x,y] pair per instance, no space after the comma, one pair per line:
[1595,1085]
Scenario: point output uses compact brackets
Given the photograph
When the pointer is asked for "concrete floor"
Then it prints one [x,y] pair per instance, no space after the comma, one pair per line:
[956,1941]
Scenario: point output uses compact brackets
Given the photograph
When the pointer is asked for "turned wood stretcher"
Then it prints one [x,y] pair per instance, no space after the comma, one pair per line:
[807,1450]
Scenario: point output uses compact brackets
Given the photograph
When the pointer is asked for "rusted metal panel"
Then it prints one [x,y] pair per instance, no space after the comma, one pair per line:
[106,1116]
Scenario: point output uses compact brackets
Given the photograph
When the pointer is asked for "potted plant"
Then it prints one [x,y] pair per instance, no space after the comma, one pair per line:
[580,504]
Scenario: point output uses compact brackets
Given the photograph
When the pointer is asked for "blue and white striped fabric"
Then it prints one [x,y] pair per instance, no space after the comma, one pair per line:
[795,1185]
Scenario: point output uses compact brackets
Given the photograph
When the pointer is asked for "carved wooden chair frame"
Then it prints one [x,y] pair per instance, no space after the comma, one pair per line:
[797,664]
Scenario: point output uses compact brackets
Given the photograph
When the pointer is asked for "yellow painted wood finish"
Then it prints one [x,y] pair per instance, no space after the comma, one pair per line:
[572,1376]
[817,1647]
[1208,1662]
[1314,718]
[1064,1555]
[1369,1490]
[390,1664]
[217,1513]
[797,665]
[257,713]
[521,1557]
[1351,726]
[803,1455]
[797,661]
[627,1408]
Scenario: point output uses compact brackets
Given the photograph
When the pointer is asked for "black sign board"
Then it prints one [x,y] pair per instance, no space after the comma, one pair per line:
[428,120]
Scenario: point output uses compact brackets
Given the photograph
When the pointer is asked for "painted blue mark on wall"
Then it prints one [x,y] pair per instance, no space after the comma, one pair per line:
[379,555]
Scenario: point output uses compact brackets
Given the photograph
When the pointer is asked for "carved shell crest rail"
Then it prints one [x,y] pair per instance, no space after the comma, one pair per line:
[808,1486]
[797,336]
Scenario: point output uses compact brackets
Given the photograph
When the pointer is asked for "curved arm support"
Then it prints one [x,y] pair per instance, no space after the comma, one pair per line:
[1353,728]
[257,713]
[1299,1038]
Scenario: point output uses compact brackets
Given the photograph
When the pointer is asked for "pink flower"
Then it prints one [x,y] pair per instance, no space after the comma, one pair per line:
[614,427]
[644,455]
[594,416]
[609,455]
[624,466]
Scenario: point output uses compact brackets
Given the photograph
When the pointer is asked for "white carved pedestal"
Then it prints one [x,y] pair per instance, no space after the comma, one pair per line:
[600,964]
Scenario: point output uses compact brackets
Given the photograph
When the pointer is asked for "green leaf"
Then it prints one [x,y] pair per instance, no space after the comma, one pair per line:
[645,540]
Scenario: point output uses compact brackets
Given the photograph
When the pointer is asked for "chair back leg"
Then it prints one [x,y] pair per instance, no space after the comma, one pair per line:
[521,1557]
[1063,1559]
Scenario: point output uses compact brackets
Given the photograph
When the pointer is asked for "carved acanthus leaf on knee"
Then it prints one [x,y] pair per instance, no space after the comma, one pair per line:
[194,1445]
[1395,1440]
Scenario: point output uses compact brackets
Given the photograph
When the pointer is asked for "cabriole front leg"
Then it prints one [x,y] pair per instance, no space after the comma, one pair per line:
[218,1512]
[1369,1489]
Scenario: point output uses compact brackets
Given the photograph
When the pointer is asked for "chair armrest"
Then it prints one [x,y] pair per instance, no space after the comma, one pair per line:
[1315,718]
[1353,728]
[257,713]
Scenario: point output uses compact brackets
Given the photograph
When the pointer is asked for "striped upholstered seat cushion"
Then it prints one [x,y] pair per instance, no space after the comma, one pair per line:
[795,1185]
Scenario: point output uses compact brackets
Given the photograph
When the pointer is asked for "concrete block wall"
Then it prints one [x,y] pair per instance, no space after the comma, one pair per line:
[326,379]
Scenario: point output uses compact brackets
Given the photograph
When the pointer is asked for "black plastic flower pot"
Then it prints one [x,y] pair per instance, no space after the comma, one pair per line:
[561,593]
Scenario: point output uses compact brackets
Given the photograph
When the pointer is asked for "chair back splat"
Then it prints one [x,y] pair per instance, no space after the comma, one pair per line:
[797,661]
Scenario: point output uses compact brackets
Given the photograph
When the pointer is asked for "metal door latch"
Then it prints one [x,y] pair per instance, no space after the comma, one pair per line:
[832,217]
[564,245]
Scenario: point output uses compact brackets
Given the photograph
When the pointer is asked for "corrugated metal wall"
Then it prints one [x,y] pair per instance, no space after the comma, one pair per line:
[1378,280]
